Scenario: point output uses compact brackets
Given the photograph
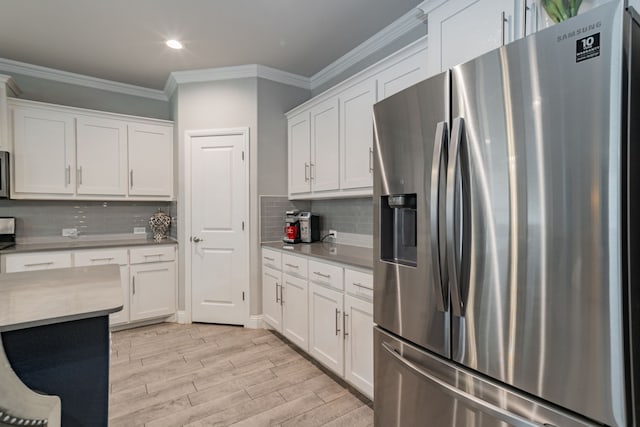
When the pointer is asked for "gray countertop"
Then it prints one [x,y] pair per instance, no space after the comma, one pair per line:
[36,298]
[83,244]
[344,254]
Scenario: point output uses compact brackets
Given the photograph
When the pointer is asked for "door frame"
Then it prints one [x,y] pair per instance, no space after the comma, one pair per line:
[186,229]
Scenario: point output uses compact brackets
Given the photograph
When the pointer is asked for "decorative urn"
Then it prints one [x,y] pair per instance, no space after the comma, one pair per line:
[159,223]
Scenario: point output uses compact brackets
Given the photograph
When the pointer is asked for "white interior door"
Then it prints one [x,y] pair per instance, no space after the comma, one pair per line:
[219,254]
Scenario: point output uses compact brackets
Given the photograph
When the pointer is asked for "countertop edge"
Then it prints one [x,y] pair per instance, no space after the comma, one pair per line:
[84,244]
[348,255]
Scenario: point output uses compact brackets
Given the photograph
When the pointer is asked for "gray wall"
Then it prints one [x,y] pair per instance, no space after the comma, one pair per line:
[397,44]
[43,218]
[44,90]
[215,105]
[274,99]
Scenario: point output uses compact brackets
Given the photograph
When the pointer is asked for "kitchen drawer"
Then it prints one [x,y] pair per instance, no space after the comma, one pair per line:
[326,274]
[100,257]
[358,283]
[152,254]
[272,259]
[36,261]
[294,265]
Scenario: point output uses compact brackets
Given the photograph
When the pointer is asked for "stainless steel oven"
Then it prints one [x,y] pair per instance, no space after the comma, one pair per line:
[4,175]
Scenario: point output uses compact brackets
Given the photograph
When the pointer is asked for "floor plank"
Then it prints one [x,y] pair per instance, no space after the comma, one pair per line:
[216,375]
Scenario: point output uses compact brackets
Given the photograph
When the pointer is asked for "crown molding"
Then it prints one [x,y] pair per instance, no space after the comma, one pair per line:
[236,72]
[10,84]
[393,31]
[37,71]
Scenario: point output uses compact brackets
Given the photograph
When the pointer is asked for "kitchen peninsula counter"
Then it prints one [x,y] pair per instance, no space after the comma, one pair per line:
[36,298]
[80,243]
[355,256]
[54,331]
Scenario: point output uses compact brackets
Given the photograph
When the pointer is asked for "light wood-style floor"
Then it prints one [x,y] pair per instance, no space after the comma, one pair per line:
[213,375]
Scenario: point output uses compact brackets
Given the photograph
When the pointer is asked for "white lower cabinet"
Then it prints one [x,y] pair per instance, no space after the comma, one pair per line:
[271,306]
[153,290]
[358,343]
[326,341]
[147,274]
[294,300]
[324,308]
[31,261]
[113,256]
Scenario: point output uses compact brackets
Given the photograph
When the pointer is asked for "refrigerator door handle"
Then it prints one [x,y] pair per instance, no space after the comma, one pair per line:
[469,399]
[437,165]
[453,180]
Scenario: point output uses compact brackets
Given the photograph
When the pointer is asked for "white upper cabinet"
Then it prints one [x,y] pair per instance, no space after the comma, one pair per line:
[43,152]
[401,75]
[69,153]
[461,30]
[331,135]
[299,153]
[314,150]
[101,156]
[325,135]
[356,135]
[150,160]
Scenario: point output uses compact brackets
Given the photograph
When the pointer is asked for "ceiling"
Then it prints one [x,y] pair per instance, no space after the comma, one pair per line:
[123,40]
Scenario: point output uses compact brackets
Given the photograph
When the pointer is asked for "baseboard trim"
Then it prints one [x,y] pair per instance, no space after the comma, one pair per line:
[255,322]
[182,317]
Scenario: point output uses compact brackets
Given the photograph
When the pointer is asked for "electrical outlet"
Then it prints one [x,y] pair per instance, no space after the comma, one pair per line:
[334,233]
[139,230]
[69,232]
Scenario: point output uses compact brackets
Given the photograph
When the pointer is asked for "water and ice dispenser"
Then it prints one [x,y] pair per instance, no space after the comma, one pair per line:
[398,216]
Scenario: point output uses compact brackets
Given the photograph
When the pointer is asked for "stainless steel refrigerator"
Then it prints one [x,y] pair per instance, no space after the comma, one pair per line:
[505,197]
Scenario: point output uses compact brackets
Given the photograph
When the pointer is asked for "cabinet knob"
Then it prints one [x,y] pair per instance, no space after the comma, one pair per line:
[197,239]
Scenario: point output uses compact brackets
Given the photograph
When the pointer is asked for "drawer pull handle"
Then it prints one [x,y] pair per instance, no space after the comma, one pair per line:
[149,256]
[344,324]
[102,259]
[269,259]
[38,263]
[292,265]
[326,276]
[365,287]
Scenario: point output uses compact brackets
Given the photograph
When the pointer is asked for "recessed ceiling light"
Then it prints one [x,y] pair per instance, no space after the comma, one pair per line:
[174,44]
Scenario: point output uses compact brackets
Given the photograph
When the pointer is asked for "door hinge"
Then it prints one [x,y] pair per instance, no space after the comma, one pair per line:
[243,155]
[242,225]
[243,296]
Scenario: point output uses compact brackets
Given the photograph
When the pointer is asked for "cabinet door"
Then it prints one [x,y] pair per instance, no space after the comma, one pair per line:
[356,135]
[43,152]
[400,76]
[461,30]
[359,344]
[299,154]
[101,156]
[294,311]
[325,327]
[325,147]
[111,256]
[36,261]
[150,160]
[271,306]
[153,290]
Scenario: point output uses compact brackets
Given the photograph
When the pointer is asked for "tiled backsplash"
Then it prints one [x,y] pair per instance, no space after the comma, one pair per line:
[38,219]
[354,217]
[272,209]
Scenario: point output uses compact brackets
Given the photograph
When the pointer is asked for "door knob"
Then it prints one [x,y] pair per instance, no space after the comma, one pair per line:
[197,239]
